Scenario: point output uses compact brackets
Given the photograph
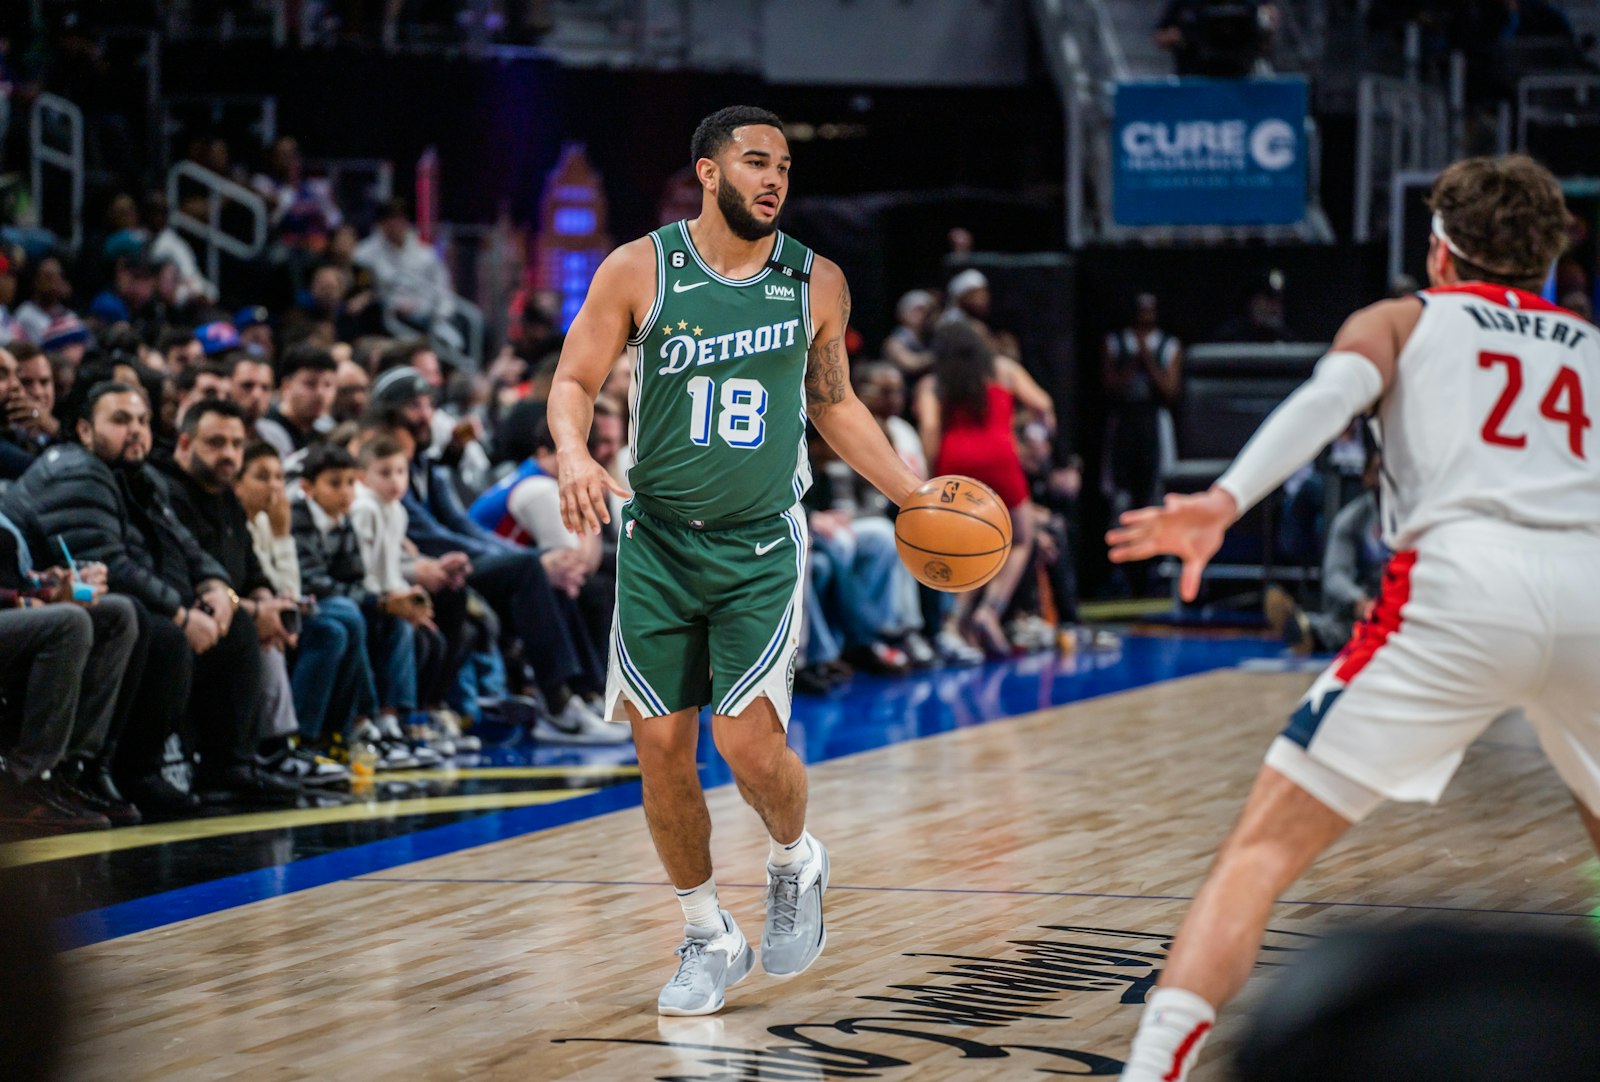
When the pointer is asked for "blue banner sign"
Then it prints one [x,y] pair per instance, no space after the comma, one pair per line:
[1210,152]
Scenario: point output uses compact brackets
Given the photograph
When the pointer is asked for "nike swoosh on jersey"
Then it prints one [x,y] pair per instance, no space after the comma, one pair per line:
[762,550]
[679,287]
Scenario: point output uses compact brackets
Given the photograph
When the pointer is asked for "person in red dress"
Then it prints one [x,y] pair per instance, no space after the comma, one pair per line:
[964,411]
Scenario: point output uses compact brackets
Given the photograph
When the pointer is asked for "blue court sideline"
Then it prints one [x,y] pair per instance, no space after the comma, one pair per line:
[871,712]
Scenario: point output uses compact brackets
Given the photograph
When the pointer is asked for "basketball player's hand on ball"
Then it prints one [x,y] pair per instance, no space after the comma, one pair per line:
[1188,527]
[584,484]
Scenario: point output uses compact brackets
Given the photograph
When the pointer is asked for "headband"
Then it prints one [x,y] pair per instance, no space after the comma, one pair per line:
[1493,268]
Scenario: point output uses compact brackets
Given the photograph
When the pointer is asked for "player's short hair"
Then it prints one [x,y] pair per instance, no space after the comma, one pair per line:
[716,131]
[1507,214]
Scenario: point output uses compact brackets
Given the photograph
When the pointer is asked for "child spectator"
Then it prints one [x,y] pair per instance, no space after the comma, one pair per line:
[403,612]
[331,570]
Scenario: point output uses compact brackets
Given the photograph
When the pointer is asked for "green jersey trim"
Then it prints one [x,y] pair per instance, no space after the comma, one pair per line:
[688,242]
[649,323]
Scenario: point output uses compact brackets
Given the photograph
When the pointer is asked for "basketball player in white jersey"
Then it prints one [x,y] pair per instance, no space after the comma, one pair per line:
[1491,503]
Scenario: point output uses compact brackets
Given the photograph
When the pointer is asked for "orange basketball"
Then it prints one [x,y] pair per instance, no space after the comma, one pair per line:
[953,533]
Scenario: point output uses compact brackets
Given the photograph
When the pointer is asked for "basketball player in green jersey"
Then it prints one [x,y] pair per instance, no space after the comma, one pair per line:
[738,339]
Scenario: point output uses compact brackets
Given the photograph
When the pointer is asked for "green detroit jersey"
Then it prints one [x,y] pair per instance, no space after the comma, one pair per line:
[719,421]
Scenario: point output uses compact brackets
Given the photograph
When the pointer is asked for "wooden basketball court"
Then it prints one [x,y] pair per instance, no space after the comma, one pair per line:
[1001,900]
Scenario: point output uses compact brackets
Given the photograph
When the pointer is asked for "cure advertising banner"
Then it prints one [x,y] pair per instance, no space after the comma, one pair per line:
[1210,152]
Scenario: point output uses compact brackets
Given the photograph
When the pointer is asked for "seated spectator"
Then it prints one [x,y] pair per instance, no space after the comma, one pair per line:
[331,570]
[34,413]
[100,498]
[18,445]
[907,345]
[305,395]
[1352,573]
[131,298]
[402,610]
[408,274]
[169,247]
[351,389]
[205,382]
[47,300]
[532,592]
[321,311]
[62,662]
[456,439]
[200,476]
[181,349]
[525,507]
[254,324]
[251,389]
[302,209]
[66,338]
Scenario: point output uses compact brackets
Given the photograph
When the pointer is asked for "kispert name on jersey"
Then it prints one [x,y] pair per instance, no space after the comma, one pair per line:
[719,422]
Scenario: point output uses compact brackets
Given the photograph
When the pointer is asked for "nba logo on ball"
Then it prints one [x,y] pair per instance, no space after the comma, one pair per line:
[953,534]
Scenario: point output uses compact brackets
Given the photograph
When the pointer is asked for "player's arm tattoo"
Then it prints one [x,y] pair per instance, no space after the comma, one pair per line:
[828,368]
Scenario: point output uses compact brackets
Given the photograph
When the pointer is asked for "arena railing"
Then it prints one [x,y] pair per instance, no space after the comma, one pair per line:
[220,193]
[53,115]
[1401,127]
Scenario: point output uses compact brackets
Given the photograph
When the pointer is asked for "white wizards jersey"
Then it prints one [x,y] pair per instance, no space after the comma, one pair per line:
[1488,416]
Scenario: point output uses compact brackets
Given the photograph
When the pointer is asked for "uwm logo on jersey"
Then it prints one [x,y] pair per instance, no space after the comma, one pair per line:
[780,292]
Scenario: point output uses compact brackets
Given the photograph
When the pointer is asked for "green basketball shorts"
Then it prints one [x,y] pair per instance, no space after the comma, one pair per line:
[706,615]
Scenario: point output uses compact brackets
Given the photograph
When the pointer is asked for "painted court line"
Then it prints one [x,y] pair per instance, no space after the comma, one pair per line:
[972,890]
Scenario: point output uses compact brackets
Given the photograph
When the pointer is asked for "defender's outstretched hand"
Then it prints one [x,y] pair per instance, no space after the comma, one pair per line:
[1188,527]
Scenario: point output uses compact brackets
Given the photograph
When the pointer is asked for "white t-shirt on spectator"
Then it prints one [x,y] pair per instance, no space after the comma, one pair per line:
[907,443]
[380,530]
[535,505]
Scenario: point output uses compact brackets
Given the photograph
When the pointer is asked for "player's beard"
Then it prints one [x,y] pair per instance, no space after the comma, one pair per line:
[741,222]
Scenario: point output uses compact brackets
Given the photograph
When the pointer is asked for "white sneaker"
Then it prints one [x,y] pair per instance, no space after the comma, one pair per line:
[578,724]
[955,650]
[448,722]
[711,960]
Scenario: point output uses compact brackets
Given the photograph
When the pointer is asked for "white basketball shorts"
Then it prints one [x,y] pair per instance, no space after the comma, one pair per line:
[1481,617]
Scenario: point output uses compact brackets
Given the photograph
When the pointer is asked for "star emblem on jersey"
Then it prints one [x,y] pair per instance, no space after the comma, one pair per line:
[697,331]
[679,287]
[683,325]
[762,550]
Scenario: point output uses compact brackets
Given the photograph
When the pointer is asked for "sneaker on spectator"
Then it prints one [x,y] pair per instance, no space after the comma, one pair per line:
[918,649]
[35,807]
[578,724]
[954,650]
[245,783]
[389,726]
[421,730]
[91,781]
[1030,633]
[155,794]
[448,722]
[305,767]
[392,754]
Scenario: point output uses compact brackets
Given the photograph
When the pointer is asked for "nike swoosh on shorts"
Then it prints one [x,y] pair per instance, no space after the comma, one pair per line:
[762,550]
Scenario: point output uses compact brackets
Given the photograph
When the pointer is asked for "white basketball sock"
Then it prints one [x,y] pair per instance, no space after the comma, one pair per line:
[700,906]
[1175,1025]
[780,855]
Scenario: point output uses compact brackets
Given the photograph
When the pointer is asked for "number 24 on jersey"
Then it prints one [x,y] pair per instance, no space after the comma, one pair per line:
[1562,404]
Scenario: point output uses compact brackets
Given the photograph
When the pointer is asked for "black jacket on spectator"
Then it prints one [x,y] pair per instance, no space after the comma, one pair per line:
[15,457]
[217,521]
[120,518]
[329,566]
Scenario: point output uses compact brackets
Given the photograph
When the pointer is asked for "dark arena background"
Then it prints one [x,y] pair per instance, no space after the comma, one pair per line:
[307,768]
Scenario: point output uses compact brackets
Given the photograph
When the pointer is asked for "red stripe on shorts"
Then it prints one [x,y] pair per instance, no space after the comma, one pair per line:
[1386,617]
[1183,1051]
